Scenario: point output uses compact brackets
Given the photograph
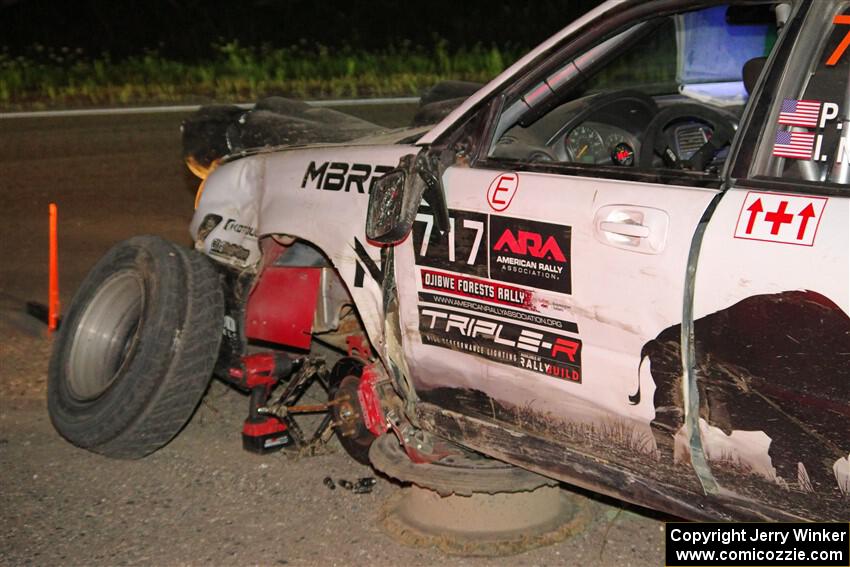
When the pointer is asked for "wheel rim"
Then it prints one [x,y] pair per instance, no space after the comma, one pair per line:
[105,335]
[348,413]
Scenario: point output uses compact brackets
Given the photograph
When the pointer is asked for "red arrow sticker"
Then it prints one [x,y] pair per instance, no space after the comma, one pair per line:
[805,215]
[774,217]
[754,211]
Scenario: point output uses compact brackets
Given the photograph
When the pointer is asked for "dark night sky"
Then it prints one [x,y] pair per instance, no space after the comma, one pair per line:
[185,29]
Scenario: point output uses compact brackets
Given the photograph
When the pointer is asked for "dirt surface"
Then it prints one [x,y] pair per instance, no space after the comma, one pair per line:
[201,500]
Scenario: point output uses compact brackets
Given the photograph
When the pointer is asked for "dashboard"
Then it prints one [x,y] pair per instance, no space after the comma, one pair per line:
[606,129]
[596,143]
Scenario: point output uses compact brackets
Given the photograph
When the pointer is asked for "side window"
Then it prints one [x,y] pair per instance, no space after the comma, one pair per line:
[807,133]
[663,94]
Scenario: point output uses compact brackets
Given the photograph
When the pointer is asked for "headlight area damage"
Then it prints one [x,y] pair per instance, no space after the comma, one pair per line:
[313,313]
[338,289]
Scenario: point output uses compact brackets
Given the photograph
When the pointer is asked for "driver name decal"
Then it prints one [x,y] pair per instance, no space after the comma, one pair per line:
[829,132]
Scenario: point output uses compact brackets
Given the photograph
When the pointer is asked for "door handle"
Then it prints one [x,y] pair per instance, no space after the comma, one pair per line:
[632,227]
[625,229]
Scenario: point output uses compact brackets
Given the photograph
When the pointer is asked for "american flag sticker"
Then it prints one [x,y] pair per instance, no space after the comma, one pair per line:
[799,112]
[797,145]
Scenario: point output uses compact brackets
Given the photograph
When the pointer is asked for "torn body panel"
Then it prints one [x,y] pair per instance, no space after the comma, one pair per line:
[216,131]
[673,489]
[312,194]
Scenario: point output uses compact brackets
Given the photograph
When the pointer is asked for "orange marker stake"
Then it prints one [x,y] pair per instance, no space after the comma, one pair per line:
[53,294]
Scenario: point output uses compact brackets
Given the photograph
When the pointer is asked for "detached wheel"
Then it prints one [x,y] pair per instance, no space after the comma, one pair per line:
[351,431]
[136,349]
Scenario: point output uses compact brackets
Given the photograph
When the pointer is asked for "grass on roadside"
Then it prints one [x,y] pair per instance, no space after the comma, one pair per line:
[67,77]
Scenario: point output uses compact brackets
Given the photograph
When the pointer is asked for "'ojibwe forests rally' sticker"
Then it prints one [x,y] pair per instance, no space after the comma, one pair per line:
[477,289]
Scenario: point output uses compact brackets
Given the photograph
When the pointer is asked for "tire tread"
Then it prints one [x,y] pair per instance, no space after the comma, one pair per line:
[174,360]
[189,374]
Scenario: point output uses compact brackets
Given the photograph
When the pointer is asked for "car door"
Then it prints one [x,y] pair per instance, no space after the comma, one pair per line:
[772,292]
[571,233]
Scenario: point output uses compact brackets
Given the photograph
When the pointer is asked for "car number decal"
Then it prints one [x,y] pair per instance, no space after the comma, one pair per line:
[512,250]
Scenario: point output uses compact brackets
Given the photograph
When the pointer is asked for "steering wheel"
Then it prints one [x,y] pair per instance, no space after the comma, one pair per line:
[510,147]
[657,140]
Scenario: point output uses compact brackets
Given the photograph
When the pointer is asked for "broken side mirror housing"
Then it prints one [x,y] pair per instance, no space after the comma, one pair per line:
[393,203]
[395,199]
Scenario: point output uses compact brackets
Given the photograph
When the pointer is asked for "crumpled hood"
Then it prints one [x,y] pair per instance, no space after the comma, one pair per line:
[385,137]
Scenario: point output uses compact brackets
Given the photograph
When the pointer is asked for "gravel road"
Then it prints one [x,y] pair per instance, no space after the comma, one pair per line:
[201,500]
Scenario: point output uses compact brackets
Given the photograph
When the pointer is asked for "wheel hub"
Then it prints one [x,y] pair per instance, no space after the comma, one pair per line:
[105,336]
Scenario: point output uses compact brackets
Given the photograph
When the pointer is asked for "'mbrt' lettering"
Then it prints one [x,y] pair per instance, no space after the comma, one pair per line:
[339,176]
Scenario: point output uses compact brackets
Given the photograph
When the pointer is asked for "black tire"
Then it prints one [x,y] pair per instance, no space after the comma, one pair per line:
[136,349]
[344,381]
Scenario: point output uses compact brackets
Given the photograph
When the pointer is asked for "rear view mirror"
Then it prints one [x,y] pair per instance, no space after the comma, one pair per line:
[750,15]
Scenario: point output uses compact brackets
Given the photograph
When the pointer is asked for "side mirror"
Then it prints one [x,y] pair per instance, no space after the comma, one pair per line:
[396,196]
[393,203]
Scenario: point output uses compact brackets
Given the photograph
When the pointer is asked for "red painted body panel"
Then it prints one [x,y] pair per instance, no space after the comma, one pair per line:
[370,401]
[281,307]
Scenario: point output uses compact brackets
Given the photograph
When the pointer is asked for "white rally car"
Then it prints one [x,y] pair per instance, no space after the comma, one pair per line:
[624,263]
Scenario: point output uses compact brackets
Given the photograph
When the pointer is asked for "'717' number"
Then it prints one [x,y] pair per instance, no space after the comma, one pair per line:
[842,47]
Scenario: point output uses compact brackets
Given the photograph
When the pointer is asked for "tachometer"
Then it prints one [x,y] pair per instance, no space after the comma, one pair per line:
[613,139]
[585,145]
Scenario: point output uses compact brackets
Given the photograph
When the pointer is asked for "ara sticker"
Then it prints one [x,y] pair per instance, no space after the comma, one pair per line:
[773,217]
[502,190]
[530,253]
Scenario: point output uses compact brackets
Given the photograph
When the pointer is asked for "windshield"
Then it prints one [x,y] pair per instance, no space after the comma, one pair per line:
[699,52]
